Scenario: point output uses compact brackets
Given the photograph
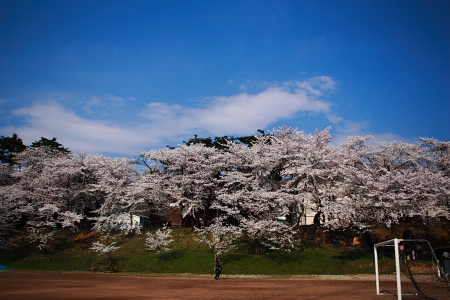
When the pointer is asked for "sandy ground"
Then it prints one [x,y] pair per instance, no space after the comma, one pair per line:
[16,285]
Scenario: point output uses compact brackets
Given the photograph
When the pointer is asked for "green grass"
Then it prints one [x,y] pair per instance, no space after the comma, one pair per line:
[72,253]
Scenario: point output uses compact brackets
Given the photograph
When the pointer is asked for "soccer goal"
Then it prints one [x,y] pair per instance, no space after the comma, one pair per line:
[409,269]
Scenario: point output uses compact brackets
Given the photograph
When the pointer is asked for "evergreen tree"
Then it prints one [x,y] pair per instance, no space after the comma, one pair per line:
[10,145]
[51,144]
[220,142]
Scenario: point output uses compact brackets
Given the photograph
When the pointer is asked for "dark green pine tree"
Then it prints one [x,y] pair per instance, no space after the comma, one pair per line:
[220,142]
[9,145]
[51,144]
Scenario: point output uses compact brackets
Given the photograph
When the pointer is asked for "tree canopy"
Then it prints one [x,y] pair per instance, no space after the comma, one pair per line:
[51,144]
[221,142]
[260,189]
[9,146]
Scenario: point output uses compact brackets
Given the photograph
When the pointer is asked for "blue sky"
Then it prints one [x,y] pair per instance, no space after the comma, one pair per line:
[121,77]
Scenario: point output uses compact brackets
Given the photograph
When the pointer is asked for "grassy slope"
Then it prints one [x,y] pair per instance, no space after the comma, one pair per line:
[72,253]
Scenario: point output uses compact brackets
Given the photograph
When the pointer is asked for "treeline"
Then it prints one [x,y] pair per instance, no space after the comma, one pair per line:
[259,188]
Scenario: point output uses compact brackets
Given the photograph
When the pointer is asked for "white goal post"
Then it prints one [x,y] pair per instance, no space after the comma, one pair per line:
[409,267]
[390,243]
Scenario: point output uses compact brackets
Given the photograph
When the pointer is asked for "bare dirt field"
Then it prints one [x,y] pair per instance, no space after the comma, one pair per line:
[17,285]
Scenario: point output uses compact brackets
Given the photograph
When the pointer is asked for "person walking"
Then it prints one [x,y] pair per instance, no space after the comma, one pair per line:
[218,269]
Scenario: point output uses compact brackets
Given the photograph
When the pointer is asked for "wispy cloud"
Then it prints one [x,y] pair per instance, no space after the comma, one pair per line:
[348,128]
[76,133]
[160,124]
[105,103]
[244,113]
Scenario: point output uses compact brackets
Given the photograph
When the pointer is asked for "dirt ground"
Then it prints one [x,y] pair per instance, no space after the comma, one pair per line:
[16,285]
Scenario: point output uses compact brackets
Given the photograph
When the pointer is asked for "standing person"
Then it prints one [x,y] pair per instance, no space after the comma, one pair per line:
[218,269]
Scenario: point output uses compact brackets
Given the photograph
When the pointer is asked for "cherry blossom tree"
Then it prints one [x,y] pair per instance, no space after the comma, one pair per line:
[55,189]
[42,239]
[159,241]
[191,174]
[106,245]
[38,194]
[42,192]
[252,200]
[150,195]
[431,183]
[387,182]
[311,169]
[114,176]
[220,239]
[10,208]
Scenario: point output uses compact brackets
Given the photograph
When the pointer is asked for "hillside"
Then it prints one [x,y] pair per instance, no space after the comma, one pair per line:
[71,252]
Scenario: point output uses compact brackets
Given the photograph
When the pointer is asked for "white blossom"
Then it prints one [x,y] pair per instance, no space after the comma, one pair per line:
[159,241]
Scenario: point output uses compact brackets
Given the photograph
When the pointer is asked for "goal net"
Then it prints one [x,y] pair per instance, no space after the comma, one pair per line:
[409,269]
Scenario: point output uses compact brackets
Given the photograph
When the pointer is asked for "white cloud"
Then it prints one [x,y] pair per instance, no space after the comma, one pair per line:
[244,113]
[105,103]
[74,132]
[348,128]
[160,124]
[318,85]
[390,137]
